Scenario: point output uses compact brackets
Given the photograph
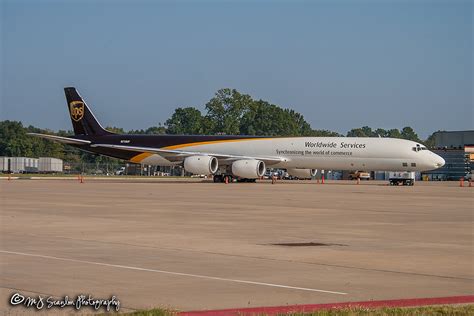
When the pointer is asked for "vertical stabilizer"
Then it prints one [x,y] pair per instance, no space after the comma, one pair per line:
[83,120]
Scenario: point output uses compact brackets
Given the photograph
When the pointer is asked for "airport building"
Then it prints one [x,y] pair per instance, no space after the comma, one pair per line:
[457,149]
[454,139]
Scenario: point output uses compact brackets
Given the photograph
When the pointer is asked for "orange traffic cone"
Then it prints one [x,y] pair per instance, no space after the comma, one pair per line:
[461,182]
[322,179]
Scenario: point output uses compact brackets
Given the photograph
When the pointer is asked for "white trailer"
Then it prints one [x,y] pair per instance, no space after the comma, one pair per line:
[31,165]
[13,164]
[402,177]
[47,165]
[3,164]
[18,164]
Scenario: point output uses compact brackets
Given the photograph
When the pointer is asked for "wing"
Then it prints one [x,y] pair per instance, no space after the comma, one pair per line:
[65,140]
[179,155]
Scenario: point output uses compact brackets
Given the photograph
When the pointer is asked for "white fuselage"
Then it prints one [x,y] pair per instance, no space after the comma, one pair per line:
[329,153]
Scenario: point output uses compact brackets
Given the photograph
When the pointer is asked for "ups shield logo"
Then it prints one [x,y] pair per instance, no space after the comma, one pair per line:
[77,110]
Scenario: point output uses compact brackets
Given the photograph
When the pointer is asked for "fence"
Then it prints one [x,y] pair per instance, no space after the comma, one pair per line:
[125,169]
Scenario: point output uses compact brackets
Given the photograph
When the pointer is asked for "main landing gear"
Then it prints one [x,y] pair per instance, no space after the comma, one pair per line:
[225,178]
[220,178]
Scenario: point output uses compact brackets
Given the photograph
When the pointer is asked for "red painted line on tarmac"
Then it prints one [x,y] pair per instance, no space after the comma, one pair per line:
[314,307]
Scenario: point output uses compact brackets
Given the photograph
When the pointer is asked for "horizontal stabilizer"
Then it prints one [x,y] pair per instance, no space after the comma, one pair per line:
[61,139]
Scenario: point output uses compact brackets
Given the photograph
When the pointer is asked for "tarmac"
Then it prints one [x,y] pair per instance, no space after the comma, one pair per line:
[188,245]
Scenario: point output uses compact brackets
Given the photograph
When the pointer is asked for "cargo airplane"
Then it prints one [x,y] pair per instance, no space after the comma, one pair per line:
[244,157]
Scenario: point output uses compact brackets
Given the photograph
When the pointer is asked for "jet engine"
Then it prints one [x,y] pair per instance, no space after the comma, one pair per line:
[302,173]
[248,168]
[201,164]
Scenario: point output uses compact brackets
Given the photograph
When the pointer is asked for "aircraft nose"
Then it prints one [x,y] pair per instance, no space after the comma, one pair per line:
[439,161]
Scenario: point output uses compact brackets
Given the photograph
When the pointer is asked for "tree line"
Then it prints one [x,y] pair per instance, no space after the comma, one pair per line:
[229,112]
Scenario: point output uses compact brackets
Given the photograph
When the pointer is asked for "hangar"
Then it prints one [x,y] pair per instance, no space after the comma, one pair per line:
[456,149]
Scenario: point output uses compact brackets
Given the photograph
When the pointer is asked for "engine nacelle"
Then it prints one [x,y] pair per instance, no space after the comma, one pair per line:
[248,168]
[201,164]
[302,173]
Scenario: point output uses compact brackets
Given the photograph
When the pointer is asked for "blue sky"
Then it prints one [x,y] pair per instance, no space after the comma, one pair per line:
[342,64]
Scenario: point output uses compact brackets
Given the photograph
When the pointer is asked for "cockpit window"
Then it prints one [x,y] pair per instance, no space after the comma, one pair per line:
[418,147]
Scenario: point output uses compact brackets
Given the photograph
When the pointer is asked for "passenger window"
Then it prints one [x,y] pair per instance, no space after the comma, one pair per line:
[404,164]
[413,164]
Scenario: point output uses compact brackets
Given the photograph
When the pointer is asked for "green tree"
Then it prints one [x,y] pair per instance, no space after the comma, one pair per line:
[430,142]
[394,133]
[323,133]
[366,131]
[158,130]
[44,148]
[116,130]
[301,127]
[225,110]
[380,132]
[136,132]
[263,118]
[185,121]
[360,132]
[13,140]
[408,133]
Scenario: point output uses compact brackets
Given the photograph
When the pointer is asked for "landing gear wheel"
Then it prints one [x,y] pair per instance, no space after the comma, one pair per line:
[218,179]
